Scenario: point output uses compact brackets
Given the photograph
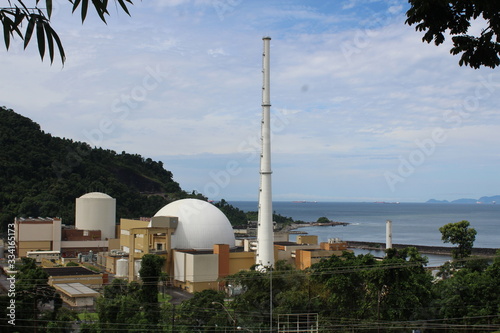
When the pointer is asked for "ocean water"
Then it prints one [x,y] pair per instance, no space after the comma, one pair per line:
[412,223]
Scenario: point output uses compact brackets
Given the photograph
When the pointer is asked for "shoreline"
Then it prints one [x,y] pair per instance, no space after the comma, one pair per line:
[294,226]
[424,249]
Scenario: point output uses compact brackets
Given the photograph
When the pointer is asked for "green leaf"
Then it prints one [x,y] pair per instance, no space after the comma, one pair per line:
[50,42]
[29,30]
[19,16]
[59,44]
[40,35]
[14,25]
[75,5]
[101,8]
[124,6]
[48,5]
[85,6]
[6,31]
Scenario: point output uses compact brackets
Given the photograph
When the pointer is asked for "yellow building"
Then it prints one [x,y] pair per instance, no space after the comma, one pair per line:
[194,236]
[138,237]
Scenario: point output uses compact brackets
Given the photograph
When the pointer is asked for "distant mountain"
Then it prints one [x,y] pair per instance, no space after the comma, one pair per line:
[437,201]
[490,200]
[42,175]
[483,200]
[465,200]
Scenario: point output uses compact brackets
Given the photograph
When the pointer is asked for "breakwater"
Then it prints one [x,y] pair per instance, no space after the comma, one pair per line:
[292,227]
[440,250]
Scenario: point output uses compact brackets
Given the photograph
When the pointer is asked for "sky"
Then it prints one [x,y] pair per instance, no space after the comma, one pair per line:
[362,109]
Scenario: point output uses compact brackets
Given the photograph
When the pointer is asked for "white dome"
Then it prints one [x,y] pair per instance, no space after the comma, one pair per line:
[96,195]
[96,211]
[201,225]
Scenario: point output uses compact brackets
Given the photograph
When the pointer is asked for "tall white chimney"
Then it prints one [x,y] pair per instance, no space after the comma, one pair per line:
[265,237]
[388,234]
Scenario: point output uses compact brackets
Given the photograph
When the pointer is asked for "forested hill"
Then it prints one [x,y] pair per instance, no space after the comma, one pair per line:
[42,175]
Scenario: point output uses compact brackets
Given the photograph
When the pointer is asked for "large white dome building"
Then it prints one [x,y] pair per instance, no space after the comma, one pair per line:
[201,225]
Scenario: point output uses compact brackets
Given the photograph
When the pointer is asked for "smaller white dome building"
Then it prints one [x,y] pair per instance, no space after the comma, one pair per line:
[201,225]
[96,211]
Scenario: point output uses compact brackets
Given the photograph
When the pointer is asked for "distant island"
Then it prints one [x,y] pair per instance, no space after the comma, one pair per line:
[483,200]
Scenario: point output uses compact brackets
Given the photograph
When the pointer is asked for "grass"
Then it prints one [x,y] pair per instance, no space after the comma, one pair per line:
[163,298]
[88,316]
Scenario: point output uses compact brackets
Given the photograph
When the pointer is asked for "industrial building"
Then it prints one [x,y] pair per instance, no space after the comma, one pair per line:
[94,230]
[195,238]
[200,248]
[76,294]
[77,274]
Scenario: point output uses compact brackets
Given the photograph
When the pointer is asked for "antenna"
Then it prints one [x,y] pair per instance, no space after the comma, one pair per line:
[265,237]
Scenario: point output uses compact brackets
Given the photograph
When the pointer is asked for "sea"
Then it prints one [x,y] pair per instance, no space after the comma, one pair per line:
[412,223]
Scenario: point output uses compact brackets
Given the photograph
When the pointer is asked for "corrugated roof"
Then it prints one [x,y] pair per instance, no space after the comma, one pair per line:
[76,289]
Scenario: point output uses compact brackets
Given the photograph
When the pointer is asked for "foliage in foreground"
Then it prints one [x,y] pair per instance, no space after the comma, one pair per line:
[37,305]
[26,18]
[454,17]
[360,293]
[349,293]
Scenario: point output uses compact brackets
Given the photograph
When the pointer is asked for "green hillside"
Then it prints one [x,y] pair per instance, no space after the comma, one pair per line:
[42,175]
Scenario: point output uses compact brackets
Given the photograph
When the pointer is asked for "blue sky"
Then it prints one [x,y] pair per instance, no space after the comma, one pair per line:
[362,110]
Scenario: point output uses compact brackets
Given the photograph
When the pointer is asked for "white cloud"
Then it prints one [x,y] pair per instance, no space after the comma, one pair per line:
[351,91]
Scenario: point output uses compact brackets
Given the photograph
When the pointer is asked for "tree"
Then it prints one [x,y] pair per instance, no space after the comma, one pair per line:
[290,291]
[345,289]
[32,296]
[323,219]
[459,234]
[150,273]
[470,296]
[120,305]
[363,289]
[37,20]
[236,216]
[204,310]
[455,17]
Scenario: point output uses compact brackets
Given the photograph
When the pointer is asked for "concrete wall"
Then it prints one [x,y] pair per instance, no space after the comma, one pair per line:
[37,234]
[202,267]
[81,235]
[285,252]
[180,266]
[240,261]
[84,245]
[125,226]
[23,247]
[305,258]
[307,239]
[84,301]
[193,287]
